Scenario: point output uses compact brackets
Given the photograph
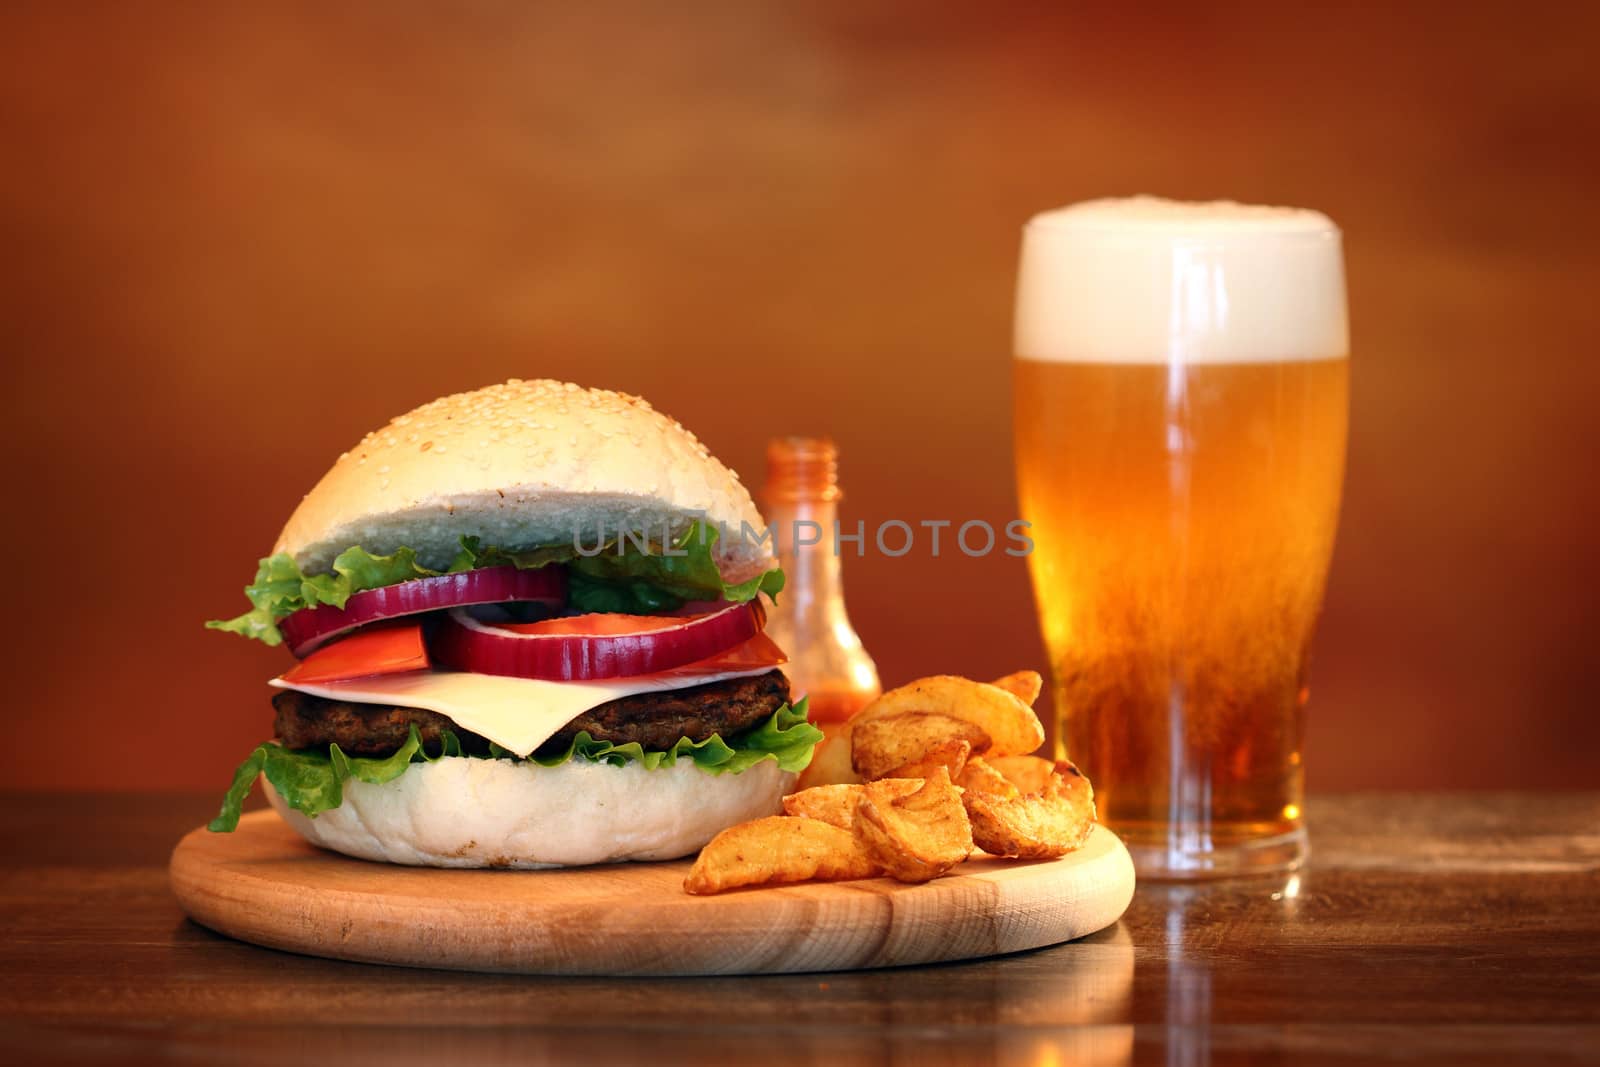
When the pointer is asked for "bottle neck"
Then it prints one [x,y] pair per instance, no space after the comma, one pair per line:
[811,571]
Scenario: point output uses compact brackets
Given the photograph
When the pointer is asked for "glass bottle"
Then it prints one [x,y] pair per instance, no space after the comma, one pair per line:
[826,659]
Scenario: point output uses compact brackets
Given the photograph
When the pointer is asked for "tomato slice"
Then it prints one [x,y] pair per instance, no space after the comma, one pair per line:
[758,651]
[392,649]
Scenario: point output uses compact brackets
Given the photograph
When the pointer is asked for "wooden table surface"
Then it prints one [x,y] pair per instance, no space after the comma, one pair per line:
[1440,928]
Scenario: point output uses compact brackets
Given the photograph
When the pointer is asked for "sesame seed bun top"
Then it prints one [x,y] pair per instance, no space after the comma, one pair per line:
[519,465]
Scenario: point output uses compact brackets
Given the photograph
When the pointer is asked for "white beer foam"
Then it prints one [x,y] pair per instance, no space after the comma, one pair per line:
[1145,280]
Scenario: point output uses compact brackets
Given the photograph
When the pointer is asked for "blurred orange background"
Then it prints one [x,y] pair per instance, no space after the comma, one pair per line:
[240,238]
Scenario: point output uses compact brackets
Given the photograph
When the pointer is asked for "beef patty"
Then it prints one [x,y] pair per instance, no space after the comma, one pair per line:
[655,720]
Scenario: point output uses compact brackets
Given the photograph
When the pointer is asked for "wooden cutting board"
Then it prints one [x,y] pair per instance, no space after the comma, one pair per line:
[265,884]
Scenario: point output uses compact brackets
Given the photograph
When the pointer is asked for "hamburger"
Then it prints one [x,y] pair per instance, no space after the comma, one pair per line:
[528,626]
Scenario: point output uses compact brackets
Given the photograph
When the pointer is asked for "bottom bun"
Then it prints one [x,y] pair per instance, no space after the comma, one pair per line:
[464,812]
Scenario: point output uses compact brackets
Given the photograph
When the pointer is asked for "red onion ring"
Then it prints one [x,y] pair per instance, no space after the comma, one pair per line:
[458,640]
[310,628]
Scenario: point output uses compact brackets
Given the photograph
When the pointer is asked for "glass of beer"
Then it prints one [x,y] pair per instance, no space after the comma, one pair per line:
[1181,396]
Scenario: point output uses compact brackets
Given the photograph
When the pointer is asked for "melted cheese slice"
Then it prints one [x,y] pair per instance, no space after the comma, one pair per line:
[520,714]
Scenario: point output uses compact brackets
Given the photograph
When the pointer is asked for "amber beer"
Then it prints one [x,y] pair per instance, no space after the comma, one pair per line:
[1181,389]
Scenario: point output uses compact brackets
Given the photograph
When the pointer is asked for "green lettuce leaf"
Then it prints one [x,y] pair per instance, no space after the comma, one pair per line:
[620,578]
[281,590]
[786,736]
[276,588]
[474,555]
[312,782]
[628,597]
[685,570]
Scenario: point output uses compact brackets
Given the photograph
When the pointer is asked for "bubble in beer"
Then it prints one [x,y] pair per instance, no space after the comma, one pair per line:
[1145,280]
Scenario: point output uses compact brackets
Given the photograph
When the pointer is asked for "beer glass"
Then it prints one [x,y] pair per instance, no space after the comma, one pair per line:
[1181,394]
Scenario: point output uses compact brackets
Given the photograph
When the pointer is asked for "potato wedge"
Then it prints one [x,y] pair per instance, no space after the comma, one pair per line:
[1010,725]
[980,777]
[951,755]
[836,804]
[918,836]
[776,850]
[1030,774]
[830,763]
[1024,685]
[1041,825]
[889,746]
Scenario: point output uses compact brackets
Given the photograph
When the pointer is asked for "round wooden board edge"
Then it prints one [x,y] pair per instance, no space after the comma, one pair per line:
[996,907]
